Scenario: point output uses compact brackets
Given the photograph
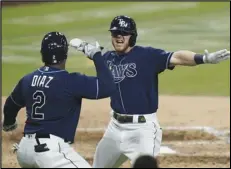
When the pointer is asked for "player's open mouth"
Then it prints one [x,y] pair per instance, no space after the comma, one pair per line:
[119,41]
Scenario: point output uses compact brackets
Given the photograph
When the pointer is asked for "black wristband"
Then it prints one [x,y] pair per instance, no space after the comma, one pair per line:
[198,58]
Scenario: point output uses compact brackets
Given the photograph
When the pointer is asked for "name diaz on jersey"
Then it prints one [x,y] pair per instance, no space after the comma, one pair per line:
[41,81]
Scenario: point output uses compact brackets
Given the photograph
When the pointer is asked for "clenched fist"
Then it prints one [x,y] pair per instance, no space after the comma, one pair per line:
[85,47]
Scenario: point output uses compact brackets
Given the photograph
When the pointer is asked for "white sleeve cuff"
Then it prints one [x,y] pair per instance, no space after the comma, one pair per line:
[168,60]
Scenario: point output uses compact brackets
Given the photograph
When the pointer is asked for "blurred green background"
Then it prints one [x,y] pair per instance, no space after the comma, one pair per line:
[171,26]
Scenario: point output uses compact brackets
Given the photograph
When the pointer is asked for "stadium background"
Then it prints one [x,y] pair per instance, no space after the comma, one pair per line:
[194,104]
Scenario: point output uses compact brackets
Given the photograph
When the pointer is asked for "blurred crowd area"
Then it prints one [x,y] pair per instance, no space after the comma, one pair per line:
[5,3]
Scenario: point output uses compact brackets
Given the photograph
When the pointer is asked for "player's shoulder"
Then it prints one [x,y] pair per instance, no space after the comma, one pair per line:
[23,80]
[75,79]
[109,54]
[75,76]
[149,48]
[155,50]
[141,48]
[29,75]
[145,51]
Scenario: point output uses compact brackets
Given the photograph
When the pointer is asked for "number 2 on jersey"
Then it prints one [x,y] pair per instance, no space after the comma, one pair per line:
[39,101]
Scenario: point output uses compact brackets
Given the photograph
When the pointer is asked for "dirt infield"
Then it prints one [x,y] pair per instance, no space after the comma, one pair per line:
[195,146]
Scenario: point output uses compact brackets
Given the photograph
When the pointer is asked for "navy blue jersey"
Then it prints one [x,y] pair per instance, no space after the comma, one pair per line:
[53,97]
[136,76]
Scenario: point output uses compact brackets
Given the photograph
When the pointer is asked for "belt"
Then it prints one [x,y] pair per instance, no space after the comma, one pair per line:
[41,135]
[128,119]
[38,135]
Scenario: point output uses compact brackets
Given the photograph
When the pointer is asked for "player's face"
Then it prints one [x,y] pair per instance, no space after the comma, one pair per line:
[120,41]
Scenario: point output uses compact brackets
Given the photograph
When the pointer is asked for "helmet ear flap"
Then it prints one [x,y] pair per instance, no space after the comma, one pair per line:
[132,40]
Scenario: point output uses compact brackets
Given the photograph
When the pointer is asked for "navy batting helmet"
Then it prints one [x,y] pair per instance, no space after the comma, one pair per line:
[54,48]
[125,24]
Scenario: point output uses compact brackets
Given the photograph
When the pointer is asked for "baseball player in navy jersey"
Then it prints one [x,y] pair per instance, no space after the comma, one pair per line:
[52,98]
[134,129]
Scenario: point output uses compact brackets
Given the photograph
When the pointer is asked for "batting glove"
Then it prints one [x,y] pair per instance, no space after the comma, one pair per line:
[85,47]
[8,128]
[216,57]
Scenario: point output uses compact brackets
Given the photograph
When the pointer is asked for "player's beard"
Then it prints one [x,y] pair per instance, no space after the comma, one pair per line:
[121,47]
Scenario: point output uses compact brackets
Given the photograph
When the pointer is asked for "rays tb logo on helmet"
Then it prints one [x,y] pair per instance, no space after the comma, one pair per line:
[123,23]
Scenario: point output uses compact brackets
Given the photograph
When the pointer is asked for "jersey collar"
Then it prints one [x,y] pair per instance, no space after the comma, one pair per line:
[47,69]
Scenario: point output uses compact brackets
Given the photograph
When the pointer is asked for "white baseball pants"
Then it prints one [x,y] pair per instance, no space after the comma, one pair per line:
[128,141]
[59,155]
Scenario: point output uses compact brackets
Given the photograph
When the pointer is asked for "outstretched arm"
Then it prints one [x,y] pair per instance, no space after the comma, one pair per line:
[188,58]
[89,87]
